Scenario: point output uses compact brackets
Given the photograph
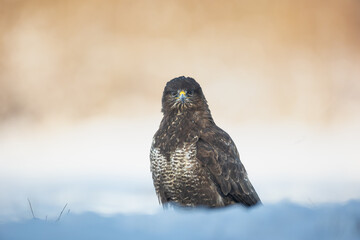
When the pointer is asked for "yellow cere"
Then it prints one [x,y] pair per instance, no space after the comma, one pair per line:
[182,93]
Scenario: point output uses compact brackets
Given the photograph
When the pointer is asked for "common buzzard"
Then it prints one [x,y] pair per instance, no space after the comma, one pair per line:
[193,161]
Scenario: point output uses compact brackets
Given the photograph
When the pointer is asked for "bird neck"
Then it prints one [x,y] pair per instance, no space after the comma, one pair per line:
[199,118]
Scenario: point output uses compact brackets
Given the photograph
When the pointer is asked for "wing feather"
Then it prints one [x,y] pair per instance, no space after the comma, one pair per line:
[218,153]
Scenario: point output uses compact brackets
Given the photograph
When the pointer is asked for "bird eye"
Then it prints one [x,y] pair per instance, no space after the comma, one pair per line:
[173,93]
[190,92]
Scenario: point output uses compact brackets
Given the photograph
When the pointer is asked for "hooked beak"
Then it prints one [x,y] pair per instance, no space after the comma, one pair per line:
[182,96]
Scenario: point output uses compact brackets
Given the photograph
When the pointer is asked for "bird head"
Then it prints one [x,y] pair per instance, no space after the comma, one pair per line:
[182,94]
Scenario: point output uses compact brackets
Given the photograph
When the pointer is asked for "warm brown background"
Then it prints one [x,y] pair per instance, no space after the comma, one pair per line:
[271,60]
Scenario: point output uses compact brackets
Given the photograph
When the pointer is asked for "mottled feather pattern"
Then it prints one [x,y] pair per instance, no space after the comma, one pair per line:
[194,162]
[178,175]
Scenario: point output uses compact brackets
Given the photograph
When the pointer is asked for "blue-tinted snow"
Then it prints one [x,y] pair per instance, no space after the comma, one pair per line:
[283,220]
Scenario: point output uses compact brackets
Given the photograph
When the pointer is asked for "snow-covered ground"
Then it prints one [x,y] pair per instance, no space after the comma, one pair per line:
[102,166]
[274,221]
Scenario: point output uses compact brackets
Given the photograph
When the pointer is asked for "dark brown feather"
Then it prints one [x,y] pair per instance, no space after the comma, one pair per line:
[225,165]
[194,162]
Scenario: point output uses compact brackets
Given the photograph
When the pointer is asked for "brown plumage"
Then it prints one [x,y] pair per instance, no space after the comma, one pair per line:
[193,161]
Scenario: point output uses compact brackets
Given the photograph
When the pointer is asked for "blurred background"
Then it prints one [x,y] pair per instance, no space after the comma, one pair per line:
[81,85]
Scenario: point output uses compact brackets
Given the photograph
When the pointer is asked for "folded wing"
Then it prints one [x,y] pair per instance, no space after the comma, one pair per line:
[218,153]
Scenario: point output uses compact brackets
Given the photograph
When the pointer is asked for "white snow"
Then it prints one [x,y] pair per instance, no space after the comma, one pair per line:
[283,220]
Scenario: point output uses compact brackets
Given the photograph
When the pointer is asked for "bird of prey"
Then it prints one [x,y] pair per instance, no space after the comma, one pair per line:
[193,161]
